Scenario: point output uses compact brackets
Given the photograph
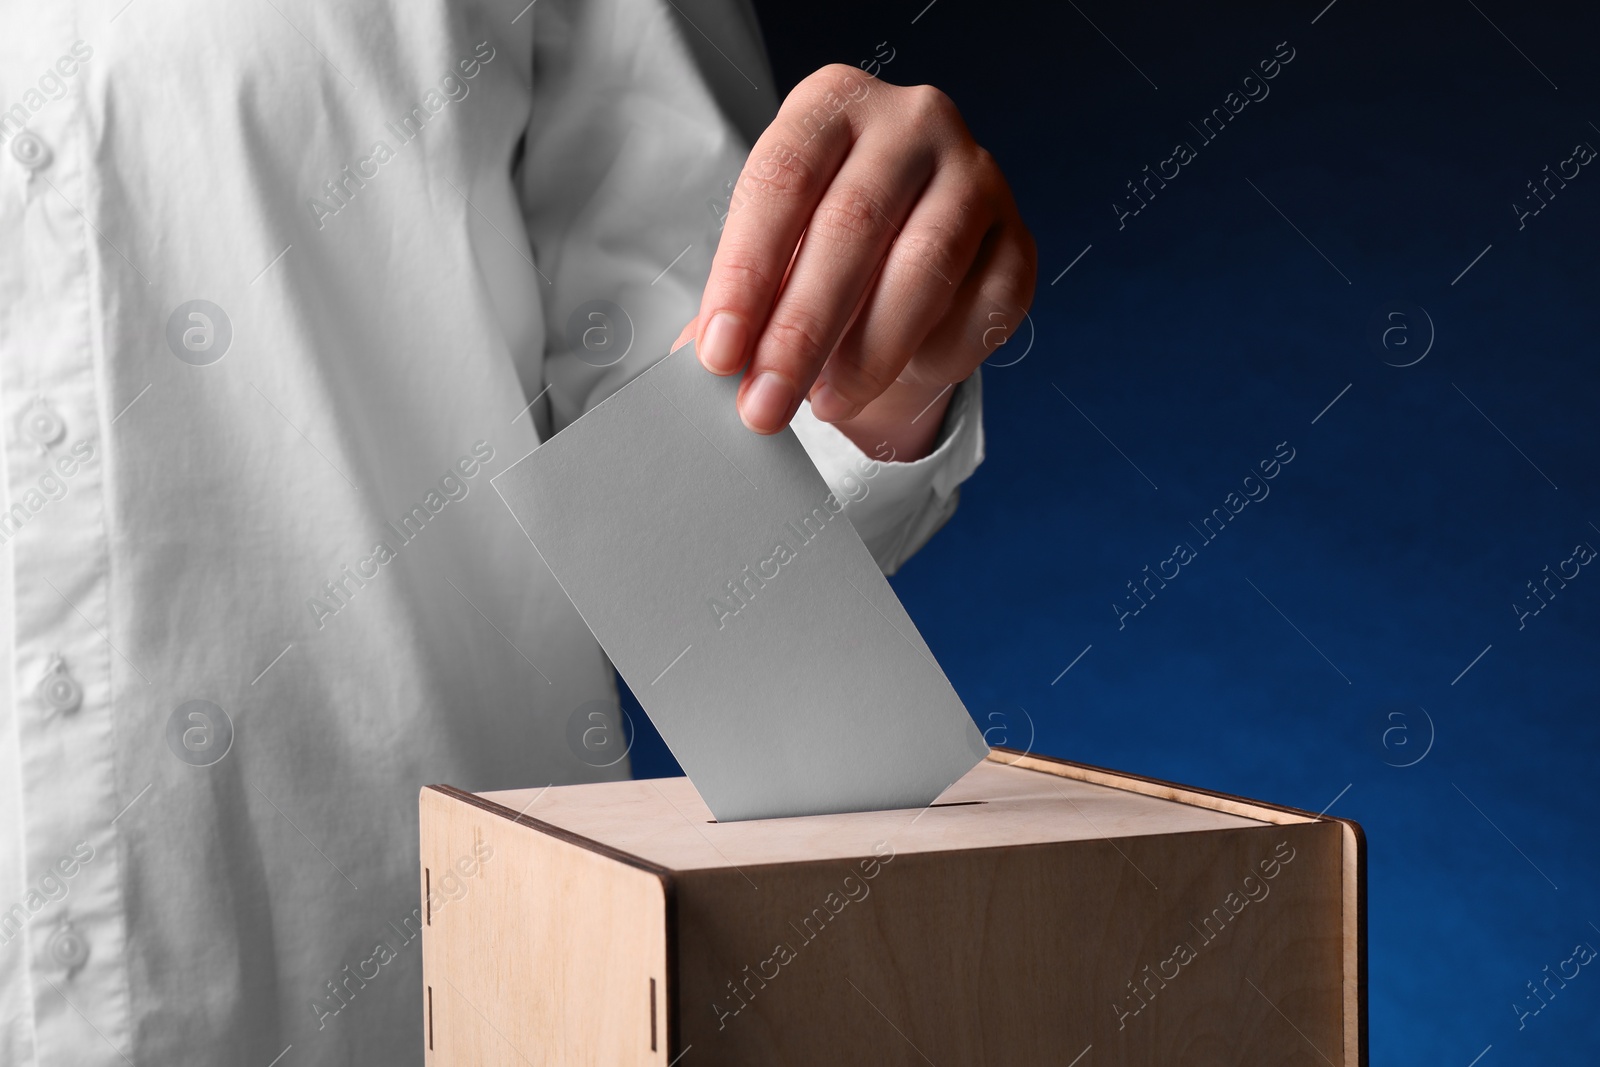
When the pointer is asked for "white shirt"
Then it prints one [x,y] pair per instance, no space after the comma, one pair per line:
[392,212]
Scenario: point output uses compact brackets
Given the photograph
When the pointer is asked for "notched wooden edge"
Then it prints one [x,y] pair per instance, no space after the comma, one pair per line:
[559,832]
[1356,928]
[1355,841]
[669,892]
[1194,796]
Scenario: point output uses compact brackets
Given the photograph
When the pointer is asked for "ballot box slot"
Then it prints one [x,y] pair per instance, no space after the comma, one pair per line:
[950,804]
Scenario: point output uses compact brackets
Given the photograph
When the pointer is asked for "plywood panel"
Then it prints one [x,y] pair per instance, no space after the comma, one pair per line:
[544,953]
[1152,787]
[1025,955]
[1036,915]
[665,822]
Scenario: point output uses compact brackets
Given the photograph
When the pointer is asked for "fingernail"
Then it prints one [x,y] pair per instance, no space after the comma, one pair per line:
[723,349]
[829,405]
[768,403]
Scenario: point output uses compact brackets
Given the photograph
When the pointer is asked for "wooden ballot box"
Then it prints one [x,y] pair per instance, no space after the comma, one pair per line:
[1042,913]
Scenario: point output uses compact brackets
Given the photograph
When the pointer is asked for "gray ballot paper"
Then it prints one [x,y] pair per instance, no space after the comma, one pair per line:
[726,583]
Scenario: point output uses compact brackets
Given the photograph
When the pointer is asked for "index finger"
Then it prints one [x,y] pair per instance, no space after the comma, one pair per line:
[781,184]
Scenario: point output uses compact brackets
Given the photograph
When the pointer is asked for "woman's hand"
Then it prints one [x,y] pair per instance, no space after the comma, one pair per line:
[871,258]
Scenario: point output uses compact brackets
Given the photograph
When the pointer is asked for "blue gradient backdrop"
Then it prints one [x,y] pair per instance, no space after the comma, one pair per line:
[1301,656]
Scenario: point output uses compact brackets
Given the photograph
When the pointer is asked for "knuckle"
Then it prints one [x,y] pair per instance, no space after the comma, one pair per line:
[813,109]
[928,249]
[932,245]
[848,216]
[928,110]
[983,162]
[983,181]
[830,75]
[797,335]
[1022,282]
[989,179]
[782,173]
[869,379]
[746,270]
[838,78]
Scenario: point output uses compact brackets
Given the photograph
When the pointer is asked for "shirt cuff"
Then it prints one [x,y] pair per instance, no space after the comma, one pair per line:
[897,507]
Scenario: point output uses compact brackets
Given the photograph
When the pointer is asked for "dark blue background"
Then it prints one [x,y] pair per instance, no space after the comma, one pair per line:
[1207,331]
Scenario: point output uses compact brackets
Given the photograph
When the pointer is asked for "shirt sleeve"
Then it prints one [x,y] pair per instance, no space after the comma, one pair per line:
[896,507]
[642,113]
[622,178]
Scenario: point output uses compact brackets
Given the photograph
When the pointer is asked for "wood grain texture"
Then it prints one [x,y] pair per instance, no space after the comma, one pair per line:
[664,821]
[1024,955]
[1043,909]
[1355,940]
[1153,787]
[544,954]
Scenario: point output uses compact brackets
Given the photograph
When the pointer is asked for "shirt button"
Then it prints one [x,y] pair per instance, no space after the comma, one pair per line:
[67,949]
[30,150]
[59,690]
[41,424]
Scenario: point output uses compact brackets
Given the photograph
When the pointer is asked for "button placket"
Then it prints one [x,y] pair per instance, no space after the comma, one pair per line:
[29,149]
[67,948]
[41,424]
[62,664]
[58,689]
